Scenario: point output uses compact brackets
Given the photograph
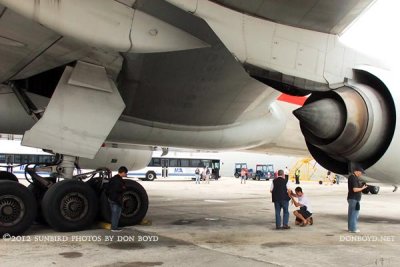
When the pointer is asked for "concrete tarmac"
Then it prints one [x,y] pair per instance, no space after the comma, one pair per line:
[224,223]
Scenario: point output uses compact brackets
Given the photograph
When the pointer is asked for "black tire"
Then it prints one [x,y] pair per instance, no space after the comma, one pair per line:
[236,175]
[8,176]
[257,177]
[134,206]
[70,205]
[38,192]
[150,176]
[366,191]
[374,189]
[17,208]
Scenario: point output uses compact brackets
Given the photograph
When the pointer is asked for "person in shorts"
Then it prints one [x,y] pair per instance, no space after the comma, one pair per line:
[304,214]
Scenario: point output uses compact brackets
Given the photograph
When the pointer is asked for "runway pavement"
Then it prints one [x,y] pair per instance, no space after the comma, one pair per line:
[224,223]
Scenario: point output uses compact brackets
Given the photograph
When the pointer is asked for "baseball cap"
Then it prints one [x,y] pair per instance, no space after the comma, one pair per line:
[357,167]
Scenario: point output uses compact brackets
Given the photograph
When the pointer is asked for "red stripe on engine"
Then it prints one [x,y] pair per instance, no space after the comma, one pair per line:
[297,100]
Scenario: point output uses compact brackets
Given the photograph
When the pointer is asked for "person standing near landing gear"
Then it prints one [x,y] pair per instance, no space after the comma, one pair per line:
[115,190]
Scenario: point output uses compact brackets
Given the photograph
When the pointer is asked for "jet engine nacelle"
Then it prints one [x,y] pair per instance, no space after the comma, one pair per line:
[355,123]
[112,158]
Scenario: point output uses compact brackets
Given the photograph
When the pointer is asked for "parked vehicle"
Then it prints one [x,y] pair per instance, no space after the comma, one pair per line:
[264,172]
[239,167]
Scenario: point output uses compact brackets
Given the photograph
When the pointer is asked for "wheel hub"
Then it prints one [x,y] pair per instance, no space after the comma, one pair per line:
[12,210]
[74,206]
[131,204]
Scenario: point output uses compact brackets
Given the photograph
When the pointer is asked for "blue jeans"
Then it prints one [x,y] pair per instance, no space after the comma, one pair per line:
[243,178]
[197,178]
[352,215]
[282,204]
[116,210]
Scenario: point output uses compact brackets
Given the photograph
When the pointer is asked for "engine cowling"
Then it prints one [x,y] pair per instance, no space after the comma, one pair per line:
[353,124]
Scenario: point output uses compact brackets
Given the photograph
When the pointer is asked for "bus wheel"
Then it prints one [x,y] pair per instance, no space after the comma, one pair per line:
[236,175]
[150,176]
[135,203]
[70,205]
[8,176]
[17,208]
[257,177]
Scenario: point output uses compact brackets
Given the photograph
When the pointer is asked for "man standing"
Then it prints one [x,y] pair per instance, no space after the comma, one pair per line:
[115,191]
[280,190]
[297,176]
[243,176]
[286,174]
[353,198]
[197,172]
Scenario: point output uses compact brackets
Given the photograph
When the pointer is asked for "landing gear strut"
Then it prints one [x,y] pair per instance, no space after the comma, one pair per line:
[71,204]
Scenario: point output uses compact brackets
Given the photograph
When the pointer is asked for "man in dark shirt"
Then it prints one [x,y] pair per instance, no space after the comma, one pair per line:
[353,198]
[280,196]
[115,191]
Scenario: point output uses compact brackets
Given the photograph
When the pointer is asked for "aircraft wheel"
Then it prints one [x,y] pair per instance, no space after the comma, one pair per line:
[70,205]
[8,176]
[150,176]
[17,208]
[135,203]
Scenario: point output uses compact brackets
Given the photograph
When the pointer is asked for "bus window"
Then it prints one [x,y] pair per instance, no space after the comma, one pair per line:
[45,158]
[32,159]
[195,163]
[24,159]
[156,162]
[215,164]
[2,158]
[17,159]
[206,163]
[173,163]
[184,163]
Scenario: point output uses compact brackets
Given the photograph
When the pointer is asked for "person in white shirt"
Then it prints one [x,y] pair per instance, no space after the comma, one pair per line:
[286,172]
[304,214]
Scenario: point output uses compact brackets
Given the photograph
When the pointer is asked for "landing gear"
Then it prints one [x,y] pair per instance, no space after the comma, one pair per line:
[17,208]
[135,203]
[70,205]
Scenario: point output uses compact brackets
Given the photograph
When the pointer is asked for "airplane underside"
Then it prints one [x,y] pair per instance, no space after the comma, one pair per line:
[173,75]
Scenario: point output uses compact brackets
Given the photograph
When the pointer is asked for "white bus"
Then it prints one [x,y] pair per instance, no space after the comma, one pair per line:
[14,158]
[177,167]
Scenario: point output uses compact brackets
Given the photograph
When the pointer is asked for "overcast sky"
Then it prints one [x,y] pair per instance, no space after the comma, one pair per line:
[376,32]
